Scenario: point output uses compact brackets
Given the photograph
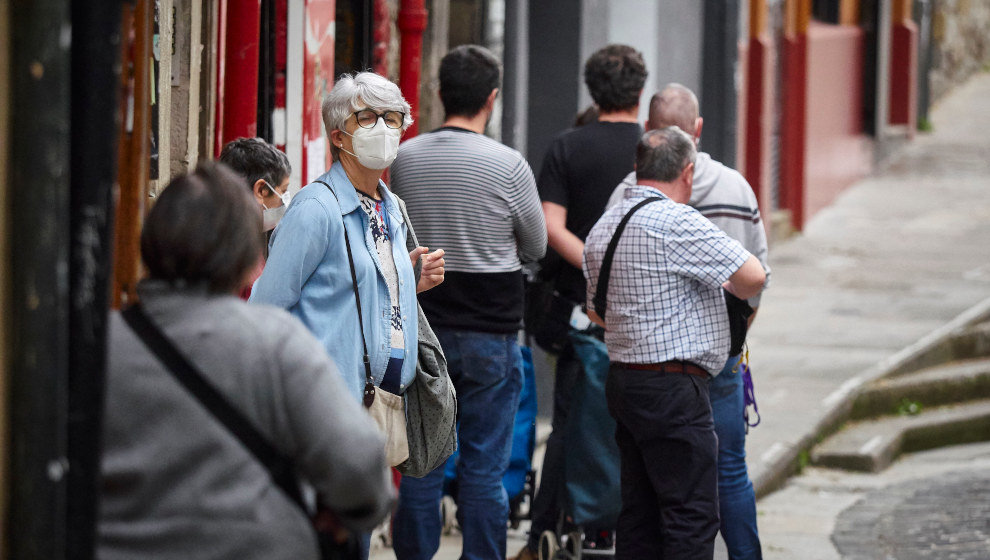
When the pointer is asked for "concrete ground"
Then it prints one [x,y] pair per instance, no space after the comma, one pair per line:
[895,259]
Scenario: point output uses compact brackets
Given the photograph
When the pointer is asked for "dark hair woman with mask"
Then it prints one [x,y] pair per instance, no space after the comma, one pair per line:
[176,482]
[266,170]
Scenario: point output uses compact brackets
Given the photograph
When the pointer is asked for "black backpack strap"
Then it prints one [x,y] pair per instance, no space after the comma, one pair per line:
[601,290]
[369,380]
[279,466]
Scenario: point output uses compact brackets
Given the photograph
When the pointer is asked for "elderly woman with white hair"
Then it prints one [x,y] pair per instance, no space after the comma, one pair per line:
[343,241]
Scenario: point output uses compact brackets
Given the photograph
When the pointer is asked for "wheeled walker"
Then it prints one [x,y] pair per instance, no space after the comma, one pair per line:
[591,463]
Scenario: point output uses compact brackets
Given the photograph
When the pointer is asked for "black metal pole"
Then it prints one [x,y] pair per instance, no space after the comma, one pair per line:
[720,59]
[93,163]
[41,39]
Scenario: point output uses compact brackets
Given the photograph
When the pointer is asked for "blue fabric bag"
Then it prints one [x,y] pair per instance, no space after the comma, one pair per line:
[591,456]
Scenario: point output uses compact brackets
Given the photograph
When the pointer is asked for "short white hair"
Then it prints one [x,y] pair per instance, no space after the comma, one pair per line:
[363,90]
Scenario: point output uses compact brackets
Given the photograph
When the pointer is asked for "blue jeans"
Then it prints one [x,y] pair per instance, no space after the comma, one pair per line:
[486,370]
[737,502]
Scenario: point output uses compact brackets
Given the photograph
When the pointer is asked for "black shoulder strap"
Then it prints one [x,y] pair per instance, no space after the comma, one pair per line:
[279,466]
[601,290]
[369,380]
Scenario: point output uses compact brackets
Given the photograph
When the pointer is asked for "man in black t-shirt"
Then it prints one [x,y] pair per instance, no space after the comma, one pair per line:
[580,170]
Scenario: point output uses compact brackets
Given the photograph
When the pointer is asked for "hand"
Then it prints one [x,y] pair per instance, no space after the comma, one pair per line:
[431,274]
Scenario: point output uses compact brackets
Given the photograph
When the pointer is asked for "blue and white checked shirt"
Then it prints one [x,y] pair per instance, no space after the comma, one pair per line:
[664,295]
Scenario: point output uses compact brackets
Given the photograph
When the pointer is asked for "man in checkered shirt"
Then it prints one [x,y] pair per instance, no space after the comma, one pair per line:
[667,331]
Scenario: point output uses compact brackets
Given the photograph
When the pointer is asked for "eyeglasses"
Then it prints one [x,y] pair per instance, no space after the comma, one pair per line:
[366,118]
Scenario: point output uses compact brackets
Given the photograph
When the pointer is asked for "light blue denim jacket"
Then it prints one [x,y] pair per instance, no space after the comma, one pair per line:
[308,275]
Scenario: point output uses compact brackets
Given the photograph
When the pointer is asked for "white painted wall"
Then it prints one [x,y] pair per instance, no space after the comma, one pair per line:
[294,91]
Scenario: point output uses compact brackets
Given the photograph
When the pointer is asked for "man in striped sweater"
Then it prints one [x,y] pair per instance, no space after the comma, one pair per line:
[477,199]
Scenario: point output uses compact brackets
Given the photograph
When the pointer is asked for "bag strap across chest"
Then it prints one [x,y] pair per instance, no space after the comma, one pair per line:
[369,381]
[279,467]
[601,290]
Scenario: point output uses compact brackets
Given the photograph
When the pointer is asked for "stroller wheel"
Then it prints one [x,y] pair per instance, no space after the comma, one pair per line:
[573,545]
[548,546]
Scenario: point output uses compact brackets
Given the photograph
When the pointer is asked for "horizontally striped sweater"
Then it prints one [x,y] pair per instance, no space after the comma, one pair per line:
[476,199]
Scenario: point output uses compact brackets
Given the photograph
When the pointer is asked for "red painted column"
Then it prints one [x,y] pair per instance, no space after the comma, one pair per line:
[382,35]
[793,129]
[904,69]
[412,23]
[281,67]
[237,91]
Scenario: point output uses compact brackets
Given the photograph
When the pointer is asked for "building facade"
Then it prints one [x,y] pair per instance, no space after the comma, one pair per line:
[102,102]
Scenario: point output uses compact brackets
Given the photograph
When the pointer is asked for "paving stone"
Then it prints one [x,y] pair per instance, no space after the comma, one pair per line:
[943,517]
[798,521]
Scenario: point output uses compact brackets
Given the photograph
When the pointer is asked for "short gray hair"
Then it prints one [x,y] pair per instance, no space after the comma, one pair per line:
[364,89]
[674,105]
[661,155]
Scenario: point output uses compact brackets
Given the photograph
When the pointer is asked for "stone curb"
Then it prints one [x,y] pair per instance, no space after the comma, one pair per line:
[952,383]
[792,458]
[873,445]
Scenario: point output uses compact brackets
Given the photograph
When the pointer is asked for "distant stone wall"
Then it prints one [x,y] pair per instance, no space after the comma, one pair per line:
[961,36]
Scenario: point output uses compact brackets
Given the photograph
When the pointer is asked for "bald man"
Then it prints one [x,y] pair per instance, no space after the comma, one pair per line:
[722,195]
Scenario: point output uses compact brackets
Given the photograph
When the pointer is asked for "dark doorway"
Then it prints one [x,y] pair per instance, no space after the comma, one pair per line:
[353,43]
[266,69]
[869,17]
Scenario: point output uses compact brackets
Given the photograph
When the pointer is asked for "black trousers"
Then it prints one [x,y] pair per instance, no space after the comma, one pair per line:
[668,449]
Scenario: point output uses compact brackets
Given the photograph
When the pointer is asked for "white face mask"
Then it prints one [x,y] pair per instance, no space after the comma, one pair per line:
[376,147]
[272,216]
[286,197]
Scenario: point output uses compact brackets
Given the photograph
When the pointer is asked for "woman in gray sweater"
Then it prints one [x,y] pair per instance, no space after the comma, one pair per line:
[175,482]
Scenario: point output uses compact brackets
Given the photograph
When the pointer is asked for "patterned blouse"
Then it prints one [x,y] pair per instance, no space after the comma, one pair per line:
[378,219]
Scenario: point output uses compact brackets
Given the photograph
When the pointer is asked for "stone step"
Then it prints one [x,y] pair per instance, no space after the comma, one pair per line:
[970,343]
[871,446]
[935,386]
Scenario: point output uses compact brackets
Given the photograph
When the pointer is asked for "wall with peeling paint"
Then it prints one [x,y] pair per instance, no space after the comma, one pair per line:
[961,32]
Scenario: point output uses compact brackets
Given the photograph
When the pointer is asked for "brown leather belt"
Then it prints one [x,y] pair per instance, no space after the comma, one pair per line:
[676,366]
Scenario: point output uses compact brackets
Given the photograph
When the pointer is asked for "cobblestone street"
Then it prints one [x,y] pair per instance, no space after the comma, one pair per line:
[934,504]
[944,516]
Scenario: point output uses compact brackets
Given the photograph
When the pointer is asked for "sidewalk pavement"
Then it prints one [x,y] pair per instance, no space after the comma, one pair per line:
[896,258]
